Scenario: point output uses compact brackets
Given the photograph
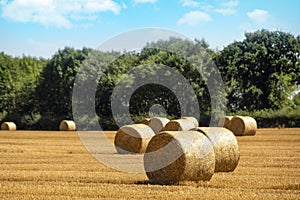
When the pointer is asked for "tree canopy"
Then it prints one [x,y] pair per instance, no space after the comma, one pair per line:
[260,75]
[261,71]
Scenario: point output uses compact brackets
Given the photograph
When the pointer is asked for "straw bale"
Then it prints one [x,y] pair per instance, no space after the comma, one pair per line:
[67,125]
[192,119]
[174,156]
[133,138]
[9,126]
[225,146]
[146,121]
[179,125]
[158,123]
[225,122]
[243,126]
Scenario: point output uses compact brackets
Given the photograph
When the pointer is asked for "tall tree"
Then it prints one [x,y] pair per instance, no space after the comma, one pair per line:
[261,71]
[54,94]
[18,80]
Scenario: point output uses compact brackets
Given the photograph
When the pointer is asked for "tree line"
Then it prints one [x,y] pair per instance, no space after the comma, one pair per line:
[261,77]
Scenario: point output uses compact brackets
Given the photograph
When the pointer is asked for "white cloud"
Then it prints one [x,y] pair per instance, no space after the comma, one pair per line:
[258,15]
[230,4]
[227,8]
[190,3]
[225,11]
[194,18]
[145,1]
[124,6]
[55,12]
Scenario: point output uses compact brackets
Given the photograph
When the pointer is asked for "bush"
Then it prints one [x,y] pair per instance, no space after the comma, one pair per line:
[289,117]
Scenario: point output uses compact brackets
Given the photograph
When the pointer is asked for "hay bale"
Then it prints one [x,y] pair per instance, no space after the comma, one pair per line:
[158,123]
[225,122]
[179,125]
[67,125]
[146,121]
[192,119]
[225,146]
[133,138]
[243,125]
[174,156]
[9,126]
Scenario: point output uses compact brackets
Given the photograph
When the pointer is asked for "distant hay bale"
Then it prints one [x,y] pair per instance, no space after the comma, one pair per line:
[146,121]
[67,125]
[158,123]
[192,119]
[179,125]
[9,126]
[242,125]
[225,122]
[133,138]
[174,156]
[225,146]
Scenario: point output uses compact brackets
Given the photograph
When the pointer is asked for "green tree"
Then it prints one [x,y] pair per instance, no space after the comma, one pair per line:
[150,60]
[19,79]
[261,71]
[54,94]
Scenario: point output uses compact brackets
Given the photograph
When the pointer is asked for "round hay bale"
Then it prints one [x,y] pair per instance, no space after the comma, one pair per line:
[225,122]
[9,126]
[67,125]
[179,125]
[146,121]
[158,123]
[133,138]
[243,125]
[192,119]
[174,156]
[225,146]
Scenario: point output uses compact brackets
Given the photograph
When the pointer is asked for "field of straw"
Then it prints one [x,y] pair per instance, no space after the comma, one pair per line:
[55,165]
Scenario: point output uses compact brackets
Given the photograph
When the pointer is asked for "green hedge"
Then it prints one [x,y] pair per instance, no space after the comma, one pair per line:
[289,117]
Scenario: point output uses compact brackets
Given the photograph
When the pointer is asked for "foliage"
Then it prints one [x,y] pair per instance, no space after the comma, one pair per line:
[288,117]
[150,65]
[261,71]
[260,74]
[18,81]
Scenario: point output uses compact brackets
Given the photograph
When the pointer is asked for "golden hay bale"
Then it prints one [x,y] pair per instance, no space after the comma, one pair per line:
[225,122]
[146,121]
[242,126]
[158,123]
[174,156]
[192,119]
[67,125]
[225,146]
[9,126]
[133,138]
[179,125]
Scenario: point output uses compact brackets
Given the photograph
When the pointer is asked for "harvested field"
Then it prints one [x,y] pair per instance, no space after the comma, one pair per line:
[55,165]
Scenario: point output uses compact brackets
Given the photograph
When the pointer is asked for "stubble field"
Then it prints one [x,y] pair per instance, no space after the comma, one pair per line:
[55,165]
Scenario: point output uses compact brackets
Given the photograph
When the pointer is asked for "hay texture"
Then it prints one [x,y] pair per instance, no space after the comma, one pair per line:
[174,156]
[179,125]
[158,123]
[133,138]
[225,122]
[67,125]
[8,126]
[225,146]
[146,121]
[192,119]
[243,126]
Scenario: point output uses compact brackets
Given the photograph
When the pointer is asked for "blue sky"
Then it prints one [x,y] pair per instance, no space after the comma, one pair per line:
[41,27]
